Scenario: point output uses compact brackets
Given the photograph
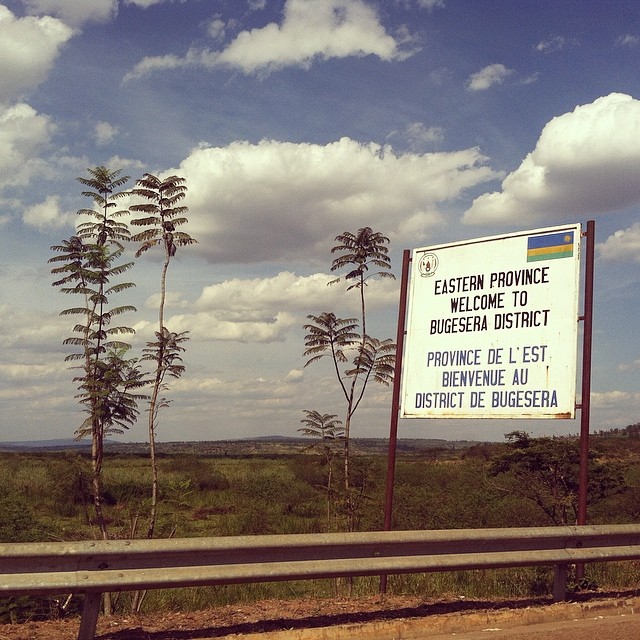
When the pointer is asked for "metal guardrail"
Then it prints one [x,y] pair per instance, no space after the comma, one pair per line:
[97,567]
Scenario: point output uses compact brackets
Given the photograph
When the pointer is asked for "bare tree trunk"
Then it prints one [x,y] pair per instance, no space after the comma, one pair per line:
[153,404]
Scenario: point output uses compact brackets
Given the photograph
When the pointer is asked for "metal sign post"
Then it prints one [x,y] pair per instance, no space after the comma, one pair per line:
[491,332]
[585,401]
[395,403]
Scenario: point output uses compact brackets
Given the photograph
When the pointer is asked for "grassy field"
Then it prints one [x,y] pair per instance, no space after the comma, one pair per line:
[279,486]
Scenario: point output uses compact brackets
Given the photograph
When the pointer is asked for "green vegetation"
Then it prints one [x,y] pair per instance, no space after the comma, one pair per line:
[162,215]
[87,266]
[356,357]
[281,487]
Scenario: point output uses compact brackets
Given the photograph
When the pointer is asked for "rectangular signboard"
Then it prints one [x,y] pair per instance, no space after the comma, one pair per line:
[492,327]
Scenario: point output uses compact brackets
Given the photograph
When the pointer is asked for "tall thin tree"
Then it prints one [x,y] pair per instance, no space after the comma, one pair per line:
[163,214]
[359,252]
[88,266]
[365,255]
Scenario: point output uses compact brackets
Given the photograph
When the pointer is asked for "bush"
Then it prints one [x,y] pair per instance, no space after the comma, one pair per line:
[18,523]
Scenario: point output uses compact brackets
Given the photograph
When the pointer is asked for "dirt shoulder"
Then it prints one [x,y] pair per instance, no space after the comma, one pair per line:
[273,616]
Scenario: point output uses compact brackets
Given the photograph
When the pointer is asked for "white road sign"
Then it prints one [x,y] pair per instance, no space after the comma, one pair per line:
[492,327]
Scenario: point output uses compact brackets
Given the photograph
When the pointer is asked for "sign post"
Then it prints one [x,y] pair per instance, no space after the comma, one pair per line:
[491,332]
[492,327]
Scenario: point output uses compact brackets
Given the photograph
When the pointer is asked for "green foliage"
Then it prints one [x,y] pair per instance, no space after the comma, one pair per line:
[357,357]
[103,187]
[107,379]
[201,472]
[217,495]
[545,471]
[18,523]
[162,215]
[324,426]
[358,252]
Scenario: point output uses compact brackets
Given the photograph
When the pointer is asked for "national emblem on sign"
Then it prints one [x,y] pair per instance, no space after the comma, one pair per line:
[428,265]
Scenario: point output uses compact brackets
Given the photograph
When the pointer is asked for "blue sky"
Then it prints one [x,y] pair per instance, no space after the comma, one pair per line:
[429,120]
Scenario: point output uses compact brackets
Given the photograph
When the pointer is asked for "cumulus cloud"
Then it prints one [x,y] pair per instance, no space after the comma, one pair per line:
[47,215]
[295,376]
[266,309]
[488,77]
[418,136]
[622,245]
[21,326]
[105,133]
[23,134]
[586,161]
[280,200]
[607,399]
[614,407]
[73,12]
[216,29]
[207,327]
[310,30]
[256,298]
[28,48]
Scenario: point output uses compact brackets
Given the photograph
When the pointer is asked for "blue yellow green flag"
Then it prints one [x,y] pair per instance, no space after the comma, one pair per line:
[550,246]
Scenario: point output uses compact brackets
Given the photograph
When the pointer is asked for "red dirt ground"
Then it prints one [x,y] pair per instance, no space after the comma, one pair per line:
[271,615]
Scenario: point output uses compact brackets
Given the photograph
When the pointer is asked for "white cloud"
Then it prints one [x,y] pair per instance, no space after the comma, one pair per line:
[629,366]
[216,29]
[531,79]
[295,376]
[551,45]
[207,326]
[421,4]
[628,40]
[266,309]
[256,298]
[47,215]
[42,332]
[586,161]
[420,137]
[105,133]
[145,4]
[611,399]
[28,48]
[615,407]
[19,371]
[280,200]
[23,134]
[75,12]
[622,245]
[488,77]
[310,30]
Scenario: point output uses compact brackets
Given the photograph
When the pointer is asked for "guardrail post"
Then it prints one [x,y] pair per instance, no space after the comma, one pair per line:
[560,583]
[89,620]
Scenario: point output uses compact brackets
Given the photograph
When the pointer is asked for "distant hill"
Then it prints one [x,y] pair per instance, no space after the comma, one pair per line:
[49,445]
[262,445]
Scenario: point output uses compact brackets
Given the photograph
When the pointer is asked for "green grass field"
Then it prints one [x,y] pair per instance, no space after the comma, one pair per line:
[283,489]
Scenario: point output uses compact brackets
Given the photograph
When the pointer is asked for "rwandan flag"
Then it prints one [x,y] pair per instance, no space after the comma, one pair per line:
[550,246]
